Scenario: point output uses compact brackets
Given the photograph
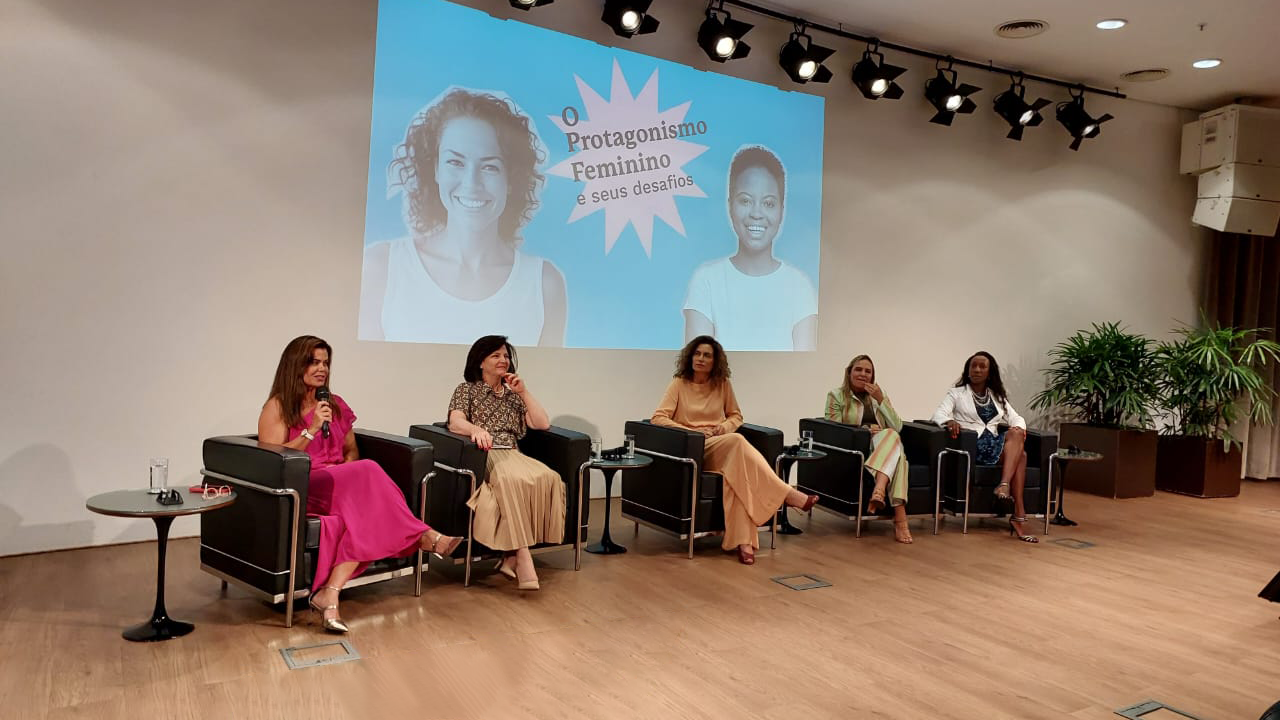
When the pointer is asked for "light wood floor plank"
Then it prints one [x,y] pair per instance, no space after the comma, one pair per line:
[970,627]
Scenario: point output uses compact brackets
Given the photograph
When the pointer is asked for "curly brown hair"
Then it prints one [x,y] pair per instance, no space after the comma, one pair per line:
[414,164]
[719,363]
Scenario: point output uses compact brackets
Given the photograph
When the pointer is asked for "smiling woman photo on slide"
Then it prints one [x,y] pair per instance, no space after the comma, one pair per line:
[469,171]
[752,300]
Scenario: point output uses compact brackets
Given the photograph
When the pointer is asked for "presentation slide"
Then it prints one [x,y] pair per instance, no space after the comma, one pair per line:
[528,183]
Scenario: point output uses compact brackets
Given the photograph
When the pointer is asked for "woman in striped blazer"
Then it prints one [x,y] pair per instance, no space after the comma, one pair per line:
[860,401]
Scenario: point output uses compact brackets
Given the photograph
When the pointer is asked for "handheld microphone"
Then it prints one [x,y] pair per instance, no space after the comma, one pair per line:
[322,393]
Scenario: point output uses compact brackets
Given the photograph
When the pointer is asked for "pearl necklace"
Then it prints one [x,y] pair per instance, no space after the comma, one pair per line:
[983,401]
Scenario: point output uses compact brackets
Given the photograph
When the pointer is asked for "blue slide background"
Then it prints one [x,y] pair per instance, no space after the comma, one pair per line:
[624,299]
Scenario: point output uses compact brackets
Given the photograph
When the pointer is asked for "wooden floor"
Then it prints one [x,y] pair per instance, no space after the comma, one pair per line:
[981,627]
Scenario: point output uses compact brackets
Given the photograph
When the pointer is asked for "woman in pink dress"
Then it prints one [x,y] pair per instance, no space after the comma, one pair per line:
[363,515]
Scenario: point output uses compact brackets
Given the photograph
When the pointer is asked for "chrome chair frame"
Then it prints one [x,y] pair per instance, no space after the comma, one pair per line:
[295,519]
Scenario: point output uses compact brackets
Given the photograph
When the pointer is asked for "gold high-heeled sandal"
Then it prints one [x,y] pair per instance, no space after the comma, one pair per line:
[1002,493]
[335,624]
[445,552]
[901,532]
[876,503]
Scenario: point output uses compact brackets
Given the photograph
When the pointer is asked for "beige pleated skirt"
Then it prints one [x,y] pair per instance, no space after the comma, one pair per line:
[520,505]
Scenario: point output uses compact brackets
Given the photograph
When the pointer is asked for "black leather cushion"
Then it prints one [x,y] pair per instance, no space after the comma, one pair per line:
[249,539]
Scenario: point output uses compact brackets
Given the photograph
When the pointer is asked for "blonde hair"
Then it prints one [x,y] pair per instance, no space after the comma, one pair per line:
[846,387]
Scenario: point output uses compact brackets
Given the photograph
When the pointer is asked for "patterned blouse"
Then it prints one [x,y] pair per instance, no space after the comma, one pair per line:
[502,415]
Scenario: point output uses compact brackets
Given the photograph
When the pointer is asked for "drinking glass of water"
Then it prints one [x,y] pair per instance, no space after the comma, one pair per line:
[159,475]
[806,439]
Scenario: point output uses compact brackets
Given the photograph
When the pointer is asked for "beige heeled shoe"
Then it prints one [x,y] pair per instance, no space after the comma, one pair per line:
[522,583]
[502,568]
[333,625]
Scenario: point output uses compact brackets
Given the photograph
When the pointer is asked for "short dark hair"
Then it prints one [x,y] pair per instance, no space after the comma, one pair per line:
[483,348]
[763,158]
[994,383]
[719,361]
[415,159]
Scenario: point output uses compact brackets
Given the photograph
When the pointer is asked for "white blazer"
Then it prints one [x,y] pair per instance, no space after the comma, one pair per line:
[958,405]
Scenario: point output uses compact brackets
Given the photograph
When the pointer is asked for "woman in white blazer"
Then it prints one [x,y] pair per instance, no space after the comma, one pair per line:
[978,402]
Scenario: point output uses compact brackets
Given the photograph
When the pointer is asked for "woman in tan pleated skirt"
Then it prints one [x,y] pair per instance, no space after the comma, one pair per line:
[522,502]
[700,398]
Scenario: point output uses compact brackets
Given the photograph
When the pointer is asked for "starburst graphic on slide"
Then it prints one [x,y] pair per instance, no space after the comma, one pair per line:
[630,157]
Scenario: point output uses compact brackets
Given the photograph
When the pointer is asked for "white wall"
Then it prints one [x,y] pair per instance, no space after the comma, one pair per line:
[181,192]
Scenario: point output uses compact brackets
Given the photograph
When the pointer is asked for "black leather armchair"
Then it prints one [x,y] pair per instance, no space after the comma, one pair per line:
[968,489]
[460,468]
[264,542]
[673,494]
[842,484]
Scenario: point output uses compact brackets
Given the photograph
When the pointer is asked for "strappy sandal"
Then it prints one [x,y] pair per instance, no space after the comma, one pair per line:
[876,503]
[1016,533]
[902,533]
[334,624]
[1002,492]
[450,545]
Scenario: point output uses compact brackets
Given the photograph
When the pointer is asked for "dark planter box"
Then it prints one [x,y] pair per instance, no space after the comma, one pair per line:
[1128,465]
[1197,466]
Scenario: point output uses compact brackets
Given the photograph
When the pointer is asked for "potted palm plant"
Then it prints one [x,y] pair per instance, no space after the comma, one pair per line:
[1210,379]
[1102,381]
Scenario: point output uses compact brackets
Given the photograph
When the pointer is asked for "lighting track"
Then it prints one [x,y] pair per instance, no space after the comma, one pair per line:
[841,32]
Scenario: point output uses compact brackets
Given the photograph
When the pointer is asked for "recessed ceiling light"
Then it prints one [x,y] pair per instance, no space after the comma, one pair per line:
[1206,63]
[1112,23]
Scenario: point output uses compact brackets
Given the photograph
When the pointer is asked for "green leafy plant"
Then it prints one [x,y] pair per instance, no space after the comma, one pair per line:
[1209,373]
[1104,377]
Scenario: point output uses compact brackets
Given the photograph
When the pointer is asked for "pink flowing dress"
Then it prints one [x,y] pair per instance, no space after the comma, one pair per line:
[363,515]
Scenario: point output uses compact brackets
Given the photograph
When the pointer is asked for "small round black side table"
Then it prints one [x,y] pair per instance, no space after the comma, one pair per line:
[782,466]
[1061,459]
[607,546]
[141,504]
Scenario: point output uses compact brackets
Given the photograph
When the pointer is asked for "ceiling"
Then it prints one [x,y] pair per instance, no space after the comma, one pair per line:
[1245,34]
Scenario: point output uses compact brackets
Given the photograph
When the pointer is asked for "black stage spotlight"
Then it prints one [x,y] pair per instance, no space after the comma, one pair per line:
[803,60]
[948,96]
[874,77]
[526,4]
[629,17]
[1079,123]
[722,39]
[1012,106]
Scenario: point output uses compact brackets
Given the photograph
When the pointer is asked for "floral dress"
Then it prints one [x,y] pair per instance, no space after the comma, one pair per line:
[989,446]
